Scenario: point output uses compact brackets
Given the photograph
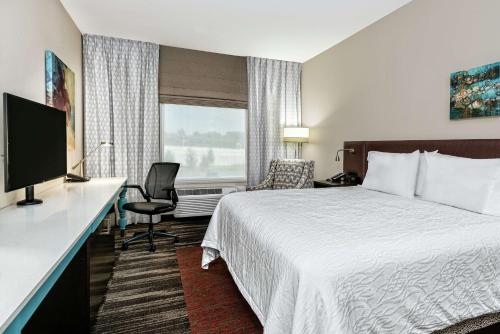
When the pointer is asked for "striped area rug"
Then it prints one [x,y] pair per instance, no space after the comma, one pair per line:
[145,293]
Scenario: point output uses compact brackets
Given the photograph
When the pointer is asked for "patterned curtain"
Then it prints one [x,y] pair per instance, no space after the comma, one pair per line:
[121,105]
[273,103]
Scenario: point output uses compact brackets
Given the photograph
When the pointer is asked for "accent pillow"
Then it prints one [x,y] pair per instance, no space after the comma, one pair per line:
[422,170]
[461,182]
[393,173]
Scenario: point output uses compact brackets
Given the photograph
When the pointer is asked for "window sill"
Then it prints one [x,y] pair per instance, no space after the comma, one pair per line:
[210,183]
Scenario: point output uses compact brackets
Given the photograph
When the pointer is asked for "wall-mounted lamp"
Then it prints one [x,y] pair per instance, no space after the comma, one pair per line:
[337,157]
[296,135]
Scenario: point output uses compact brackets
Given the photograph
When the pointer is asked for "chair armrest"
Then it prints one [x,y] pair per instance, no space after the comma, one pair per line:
[138,187]
[268,181]
[173,194]
[305,179]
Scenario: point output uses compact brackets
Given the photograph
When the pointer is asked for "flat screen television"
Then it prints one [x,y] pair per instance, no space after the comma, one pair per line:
[34,145]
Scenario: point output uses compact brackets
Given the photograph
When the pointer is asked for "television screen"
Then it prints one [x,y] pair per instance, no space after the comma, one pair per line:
[34,142]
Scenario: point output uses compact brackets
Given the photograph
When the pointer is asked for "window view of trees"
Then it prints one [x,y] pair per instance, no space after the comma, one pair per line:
[208,142]
[231,139]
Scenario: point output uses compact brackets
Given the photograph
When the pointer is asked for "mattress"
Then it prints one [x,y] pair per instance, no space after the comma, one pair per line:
[351,260]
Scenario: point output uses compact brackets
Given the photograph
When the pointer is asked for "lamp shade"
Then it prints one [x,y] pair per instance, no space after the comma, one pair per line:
[297,135]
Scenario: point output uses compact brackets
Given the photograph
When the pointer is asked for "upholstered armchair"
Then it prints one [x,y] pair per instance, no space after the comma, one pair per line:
[287,174]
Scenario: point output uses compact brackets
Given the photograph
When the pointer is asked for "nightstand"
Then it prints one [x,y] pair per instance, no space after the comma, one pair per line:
[327,184]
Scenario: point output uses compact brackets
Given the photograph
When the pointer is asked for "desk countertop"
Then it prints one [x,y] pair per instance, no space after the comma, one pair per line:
[35,239]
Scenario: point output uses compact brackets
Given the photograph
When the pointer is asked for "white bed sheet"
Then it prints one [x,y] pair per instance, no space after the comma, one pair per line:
[351,260]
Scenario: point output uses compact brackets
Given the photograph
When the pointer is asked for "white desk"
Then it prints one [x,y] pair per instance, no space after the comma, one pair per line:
[37,242]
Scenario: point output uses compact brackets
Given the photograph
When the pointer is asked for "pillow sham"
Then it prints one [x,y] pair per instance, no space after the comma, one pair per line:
[393,173]
[422,170]
[461,182]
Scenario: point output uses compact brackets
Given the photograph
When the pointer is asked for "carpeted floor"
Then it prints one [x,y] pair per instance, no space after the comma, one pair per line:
[145,294]
[214,303]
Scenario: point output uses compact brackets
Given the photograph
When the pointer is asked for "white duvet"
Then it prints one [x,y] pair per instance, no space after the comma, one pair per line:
[350,260]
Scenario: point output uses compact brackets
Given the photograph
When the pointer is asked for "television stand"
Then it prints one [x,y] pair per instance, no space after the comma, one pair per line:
[30,197]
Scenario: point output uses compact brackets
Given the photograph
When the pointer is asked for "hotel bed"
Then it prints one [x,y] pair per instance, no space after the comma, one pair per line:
[352,260]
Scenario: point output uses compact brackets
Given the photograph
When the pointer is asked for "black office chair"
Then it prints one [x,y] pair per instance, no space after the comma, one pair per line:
[159,185]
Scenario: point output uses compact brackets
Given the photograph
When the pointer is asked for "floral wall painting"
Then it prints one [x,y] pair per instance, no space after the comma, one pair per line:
[60,92]
[476,92]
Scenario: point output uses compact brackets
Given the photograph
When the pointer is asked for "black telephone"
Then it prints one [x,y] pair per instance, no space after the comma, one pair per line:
[349,177]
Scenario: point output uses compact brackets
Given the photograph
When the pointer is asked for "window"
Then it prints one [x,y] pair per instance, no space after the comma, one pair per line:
[208,142]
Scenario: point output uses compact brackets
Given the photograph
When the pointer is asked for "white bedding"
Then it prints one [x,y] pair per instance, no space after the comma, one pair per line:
[351,260]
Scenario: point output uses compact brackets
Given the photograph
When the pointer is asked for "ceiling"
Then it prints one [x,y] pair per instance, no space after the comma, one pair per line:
[294,30]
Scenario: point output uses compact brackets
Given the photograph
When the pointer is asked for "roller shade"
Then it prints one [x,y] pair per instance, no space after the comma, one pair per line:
[202,78]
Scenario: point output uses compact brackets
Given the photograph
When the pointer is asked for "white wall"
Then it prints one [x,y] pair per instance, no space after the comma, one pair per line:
[27,29]
[391,80]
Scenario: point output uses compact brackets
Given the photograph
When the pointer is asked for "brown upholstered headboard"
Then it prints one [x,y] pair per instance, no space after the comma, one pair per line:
[469,148]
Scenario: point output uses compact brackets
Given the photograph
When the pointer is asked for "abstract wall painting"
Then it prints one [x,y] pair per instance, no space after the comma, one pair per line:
[60,92]
[476,92]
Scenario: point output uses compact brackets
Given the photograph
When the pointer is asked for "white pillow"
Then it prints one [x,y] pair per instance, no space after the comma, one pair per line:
[393,173]
[492,206]
[422,170]
[461,182]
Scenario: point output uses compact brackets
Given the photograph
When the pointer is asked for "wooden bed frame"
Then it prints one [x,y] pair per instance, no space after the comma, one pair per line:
[469,148]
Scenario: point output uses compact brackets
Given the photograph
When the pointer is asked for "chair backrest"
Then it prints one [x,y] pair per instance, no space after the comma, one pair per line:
[289,172]
[161,175]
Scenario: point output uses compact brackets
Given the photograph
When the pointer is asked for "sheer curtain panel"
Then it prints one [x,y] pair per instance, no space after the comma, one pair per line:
[273,103]
[121,105]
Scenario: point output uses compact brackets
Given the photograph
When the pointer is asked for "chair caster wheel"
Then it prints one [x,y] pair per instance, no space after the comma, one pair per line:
[124,246]
[152,248]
